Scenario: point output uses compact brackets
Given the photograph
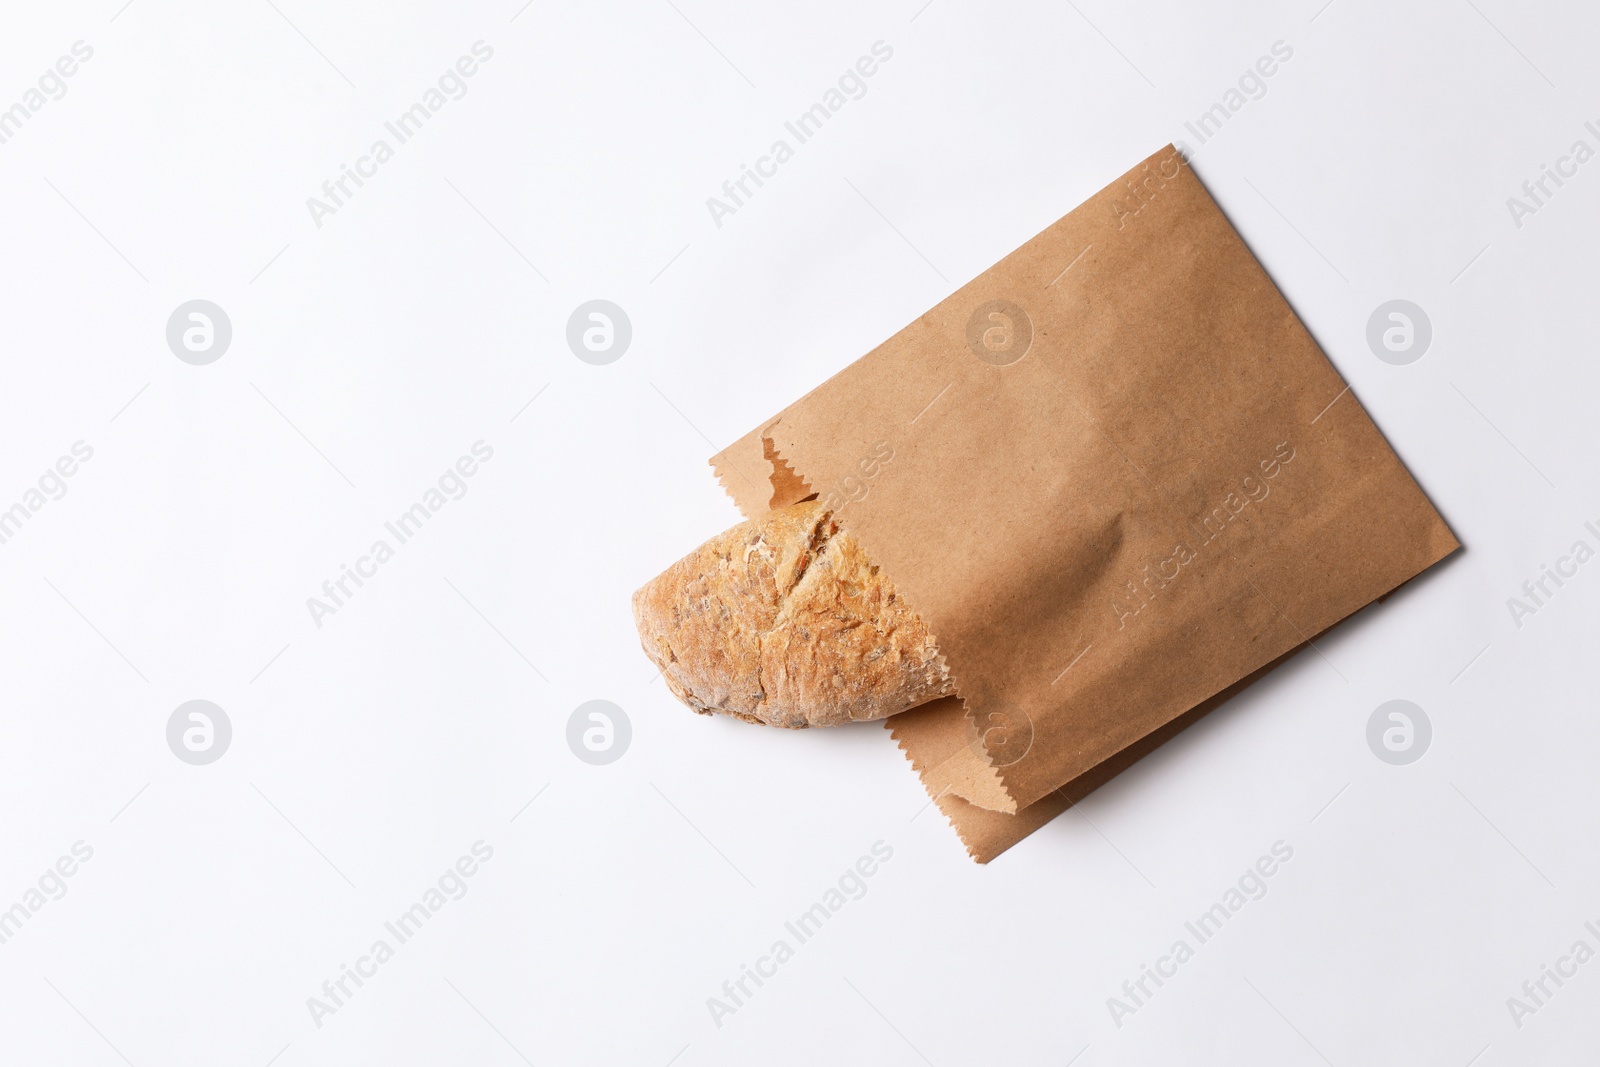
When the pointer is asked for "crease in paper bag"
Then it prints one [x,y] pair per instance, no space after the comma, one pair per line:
[939,739]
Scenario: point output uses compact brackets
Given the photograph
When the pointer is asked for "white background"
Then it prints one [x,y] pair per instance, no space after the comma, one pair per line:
[372,351]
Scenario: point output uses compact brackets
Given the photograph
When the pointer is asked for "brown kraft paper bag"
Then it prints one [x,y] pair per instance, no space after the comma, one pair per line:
[1118,479]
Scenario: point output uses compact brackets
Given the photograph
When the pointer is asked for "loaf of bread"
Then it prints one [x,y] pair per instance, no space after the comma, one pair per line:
[784,620]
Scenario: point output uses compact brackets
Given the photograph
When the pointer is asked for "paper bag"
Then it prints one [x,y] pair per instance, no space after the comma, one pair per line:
[1117,478]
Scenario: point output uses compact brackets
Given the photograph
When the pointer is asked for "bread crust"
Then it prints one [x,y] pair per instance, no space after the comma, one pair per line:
[783,620]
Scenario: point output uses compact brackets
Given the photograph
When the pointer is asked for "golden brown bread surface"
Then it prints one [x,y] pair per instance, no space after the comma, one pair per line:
[784,620]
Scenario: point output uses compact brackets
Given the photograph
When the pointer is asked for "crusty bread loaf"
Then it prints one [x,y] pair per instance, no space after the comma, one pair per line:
[784,620]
